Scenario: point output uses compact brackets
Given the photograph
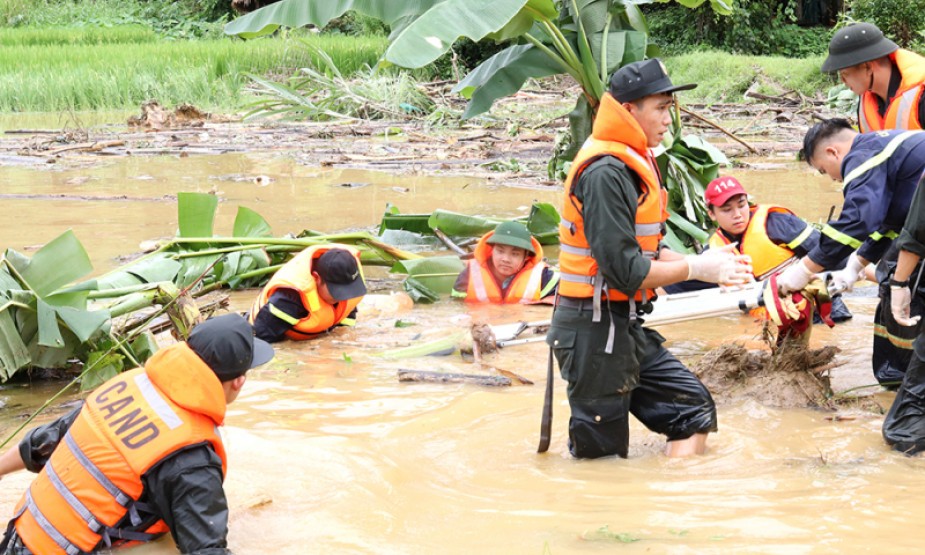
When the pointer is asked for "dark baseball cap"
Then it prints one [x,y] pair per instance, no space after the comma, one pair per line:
[638,79]
[340,271]
[227,344]
[856,44]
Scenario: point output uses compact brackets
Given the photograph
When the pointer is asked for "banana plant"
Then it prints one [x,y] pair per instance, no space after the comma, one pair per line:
[585,39]
[42,318]
[49,320]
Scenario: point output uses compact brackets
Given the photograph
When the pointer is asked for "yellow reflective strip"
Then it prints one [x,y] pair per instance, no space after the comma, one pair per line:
[878,159]
[800,238]
[476,281]
[288,318]
[533,284]
[347,322]
[836,235]
[880,331]
[905,107]
[876,236]
[549,286]
[457,294]
[863,124]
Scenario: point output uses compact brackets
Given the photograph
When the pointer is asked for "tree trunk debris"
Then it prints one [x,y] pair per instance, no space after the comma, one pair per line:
[405,375]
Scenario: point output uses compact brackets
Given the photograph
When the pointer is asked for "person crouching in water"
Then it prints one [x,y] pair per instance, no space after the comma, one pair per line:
[317,290]
[508,267]
[772,236]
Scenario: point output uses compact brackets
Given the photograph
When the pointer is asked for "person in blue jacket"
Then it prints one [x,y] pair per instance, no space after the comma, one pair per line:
[880,172]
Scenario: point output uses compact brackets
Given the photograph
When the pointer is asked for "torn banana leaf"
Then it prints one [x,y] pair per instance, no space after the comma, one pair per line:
[429,279]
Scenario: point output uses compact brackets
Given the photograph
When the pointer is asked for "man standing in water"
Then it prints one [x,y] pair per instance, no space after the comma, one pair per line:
[611,260]
[904,426]
[880,172]
[889,80]
[886,77]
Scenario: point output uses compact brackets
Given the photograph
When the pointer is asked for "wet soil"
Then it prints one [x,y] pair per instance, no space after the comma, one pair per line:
[512,146]
[791,376]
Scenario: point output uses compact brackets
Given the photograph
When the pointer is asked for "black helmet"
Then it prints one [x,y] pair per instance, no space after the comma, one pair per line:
[856,44]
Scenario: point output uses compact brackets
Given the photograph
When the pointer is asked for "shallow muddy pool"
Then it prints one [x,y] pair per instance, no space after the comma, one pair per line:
[329,453]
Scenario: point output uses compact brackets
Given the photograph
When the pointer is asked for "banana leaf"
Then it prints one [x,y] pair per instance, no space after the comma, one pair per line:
[429,36]
[39,323]
[394,220]
[461,225]
[411,241]
[196,214]
[429,279]
[503,75]
[543,223]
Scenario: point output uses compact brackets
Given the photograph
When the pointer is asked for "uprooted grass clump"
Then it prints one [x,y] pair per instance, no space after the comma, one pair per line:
[790,376]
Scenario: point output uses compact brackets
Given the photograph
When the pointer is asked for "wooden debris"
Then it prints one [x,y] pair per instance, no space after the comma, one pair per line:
[720,128]
[405,375]
[449,243]
[512,375]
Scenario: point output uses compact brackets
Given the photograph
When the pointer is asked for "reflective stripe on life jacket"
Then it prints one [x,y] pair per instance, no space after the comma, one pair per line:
[86,495]
[880,158]
[767,257]
[525,288]
[616,133]
[297,275]
[903,109]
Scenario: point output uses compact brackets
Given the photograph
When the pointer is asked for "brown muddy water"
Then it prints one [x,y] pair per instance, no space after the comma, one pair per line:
[352,461]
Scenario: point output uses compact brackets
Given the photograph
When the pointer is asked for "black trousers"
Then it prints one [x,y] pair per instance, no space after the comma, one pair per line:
[639,377]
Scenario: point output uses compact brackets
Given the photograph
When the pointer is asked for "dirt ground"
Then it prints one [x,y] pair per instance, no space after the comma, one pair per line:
[512,147]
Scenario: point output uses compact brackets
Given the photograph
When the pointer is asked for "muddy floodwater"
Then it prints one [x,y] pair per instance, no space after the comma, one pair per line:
[329,453]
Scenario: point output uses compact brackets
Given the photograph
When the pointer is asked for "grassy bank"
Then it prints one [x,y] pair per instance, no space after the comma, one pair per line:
[52,69]
[725,77]
[93,68]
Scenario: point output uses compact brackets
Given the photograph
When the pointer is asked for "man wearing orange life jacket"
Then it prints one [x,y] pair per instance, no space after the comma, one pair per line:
[888,79]
[142,456]
[611,260]
[317,290]
[507,267]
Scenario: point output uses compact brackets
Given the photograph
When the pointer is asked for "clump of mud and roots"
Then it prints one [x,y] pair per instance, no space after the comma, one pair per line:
[790,376]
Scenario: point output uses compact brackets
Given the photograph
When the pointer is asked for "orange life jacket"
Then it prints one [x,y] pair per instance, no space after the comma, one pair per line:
[767,257]
[85,496]
[903,109]
[525,288]
[297,275]
[616,133]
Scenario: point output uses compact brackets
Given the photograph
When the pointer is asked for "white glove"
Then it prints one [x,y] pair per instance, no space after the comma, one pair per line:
[900,304]
[844,280]
[719,266]
[794,278]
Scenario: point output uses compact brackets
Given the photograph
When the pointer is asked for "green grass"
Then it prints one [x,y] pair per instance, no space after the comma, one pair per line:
[70,71]
[724,77]
[75,36]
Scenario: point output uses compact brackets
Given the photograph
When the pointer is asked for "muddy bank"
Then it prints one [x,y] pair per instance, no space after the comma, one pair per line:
[512,147]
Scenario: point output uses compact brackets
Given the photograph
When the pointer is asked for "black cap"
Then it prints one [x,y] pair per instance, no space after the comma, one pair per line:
[638,79]
[856,44]
[227,344]
[340,272]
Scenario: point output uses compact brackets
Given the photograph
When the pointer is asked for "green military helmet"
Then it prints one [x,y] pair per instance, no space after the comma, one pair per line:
[514,234]
[856,44]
